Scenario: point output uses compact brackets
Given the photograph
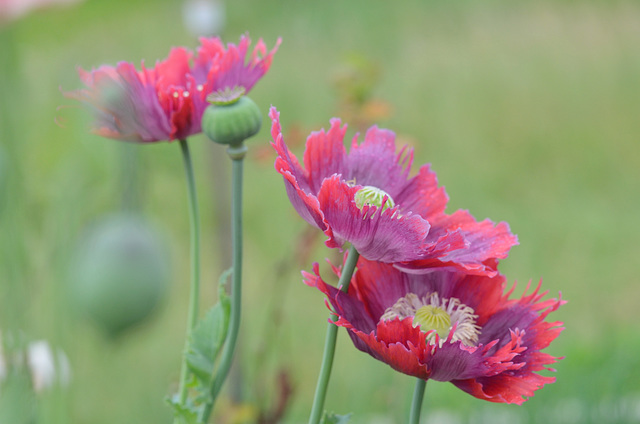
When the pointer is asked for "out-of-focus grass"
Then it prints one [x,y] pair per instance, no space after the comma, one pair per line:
[528,111]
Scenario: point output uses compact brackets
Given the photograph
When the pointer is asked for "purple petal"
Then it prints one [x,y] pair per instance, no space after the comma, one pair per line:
[384,237]
[375,162]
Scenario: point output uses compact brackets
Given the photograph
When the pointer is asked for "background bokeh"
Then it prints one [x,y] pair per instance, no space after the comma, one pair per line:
[529,111]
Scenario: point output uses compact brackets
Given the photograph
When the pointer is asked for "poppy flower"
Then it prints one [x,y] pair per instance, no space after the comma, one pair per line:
[367,198]
[14,9]
[167,101]
[448,326]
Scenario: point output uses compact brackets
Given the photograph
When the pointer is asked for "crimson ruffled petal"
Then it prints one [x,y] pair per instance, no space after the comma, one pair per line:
[415,233]
[167,102]
[422,196]
[378,235]
[296,178]
[325,155]
[485,242]
[376,163]
[502,367]
[398,344]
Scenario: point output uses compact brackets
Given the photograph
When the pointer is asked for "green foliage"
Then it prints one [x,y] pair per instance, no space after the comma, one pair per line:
[205,344]
[208,337]
[185,413]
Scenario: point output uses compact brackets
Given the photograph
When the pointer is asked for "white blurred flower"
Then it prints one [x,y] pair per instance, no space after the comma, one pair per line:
[3,363]
[47,367]
[203,17]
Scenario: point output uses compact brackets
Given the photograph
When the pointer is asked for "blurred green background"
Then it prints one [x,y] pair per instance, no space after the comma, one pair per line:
[529,111]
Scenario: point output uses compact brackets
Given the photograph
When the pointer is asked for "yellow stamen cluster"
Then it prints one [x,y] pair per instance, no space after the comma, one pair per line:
[431,317]
[437,316]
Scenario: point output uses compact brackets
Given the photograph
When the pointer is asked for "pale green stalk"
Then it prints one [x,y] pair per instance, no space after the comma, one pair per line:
[330,342]
[195,266]
[416,403]
[237,154]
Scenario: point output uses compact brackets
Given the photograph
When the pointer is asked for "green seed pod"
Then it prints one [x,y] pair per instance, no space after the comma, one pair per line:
[120,273]
[231,118]
[373,196]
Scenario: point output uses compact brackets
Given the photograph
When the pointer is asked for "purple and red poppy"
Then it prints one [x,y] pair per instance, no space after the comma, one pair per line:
[367,198]
[167,101]
[448,326]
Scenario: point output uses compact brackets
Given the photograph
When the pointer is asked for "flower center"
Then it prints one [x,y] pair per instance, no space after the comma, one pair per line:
[431,317]
[373,196]
[437,316]
[226,96]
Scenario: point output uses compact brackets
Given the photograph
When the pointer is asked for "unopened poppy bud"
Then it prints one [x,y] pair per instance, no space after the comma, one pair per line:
[231,118]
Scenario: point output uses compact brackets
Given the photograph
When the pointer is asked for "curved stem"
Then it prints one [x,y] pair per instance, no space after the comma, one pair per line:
[237,156]
[330,342]
[416,404]
[195,264]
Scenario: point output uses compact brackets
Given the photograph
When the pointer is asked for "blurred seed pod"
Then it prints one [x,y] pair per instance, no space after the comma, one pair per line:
[120,273]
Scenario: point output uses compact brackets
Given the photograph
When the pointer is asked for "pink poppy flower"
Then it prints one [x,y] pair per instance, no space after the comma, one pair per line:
[448,326]
[167,102]
[367,198]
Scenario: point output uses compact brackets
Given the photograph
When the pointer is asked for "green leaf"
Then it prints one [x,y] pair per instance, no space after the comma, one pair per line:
[332,418]
[186,413]
[208,337]
[205,343]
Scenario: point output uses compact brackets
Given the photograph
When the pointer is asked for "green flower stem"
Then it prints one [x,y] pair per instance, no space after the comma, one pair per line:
[330,342]
[237,154]
[195,264]
[416,404]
